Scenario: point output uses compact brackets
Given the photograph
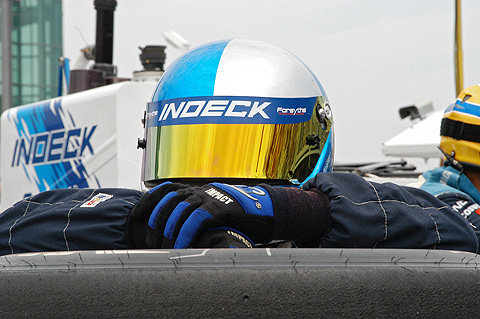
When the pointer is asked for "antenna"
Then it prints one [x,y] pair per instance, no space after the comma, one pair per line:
[176,40]
[81,35]
[458,48]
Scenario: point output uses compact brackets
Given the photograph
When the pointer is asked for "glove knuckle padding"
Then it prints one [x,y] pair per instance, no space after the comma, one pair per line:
[152,222]
[159,217]
[195,223]
[167,208]
[150,199]
[180,214]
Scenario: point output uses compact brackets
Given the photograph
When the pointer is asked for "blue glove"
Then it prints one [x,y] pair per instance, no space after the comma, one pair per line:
[185,212]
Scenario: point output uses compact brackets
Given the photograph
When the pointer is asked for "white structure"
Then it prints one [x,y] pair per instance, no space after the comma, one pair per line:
[419,140]
[85,139]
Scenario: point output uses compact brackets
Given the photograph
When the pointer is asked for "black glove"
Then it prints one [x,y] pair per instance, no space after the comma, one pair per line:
[178,215]
[136,232]
[183,213]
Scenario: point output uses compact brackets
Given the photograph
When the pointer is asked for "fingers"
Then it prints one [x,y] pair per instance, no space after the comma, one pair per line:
[170,200]
[168,217]
[178,226]
[160,215]
[150,199]
[194,224]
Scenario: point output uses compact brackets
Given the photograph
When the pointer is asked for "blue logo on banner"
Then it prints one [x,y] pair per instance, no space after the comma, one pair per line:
[50,147]
[229,110]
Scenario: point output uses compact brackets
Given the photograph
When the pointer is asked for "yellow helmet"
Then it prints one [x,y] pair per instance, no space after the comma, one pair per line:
[460,129]
[241,111]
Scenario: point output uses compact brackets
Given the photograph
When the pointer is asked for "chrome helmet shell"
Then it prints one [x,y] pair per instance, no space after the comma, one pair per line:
[238,111]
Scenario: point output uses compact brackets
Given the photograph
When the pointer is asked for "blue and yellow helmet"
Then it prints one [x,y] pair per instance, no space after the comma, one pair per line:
[238,111]
[460,129]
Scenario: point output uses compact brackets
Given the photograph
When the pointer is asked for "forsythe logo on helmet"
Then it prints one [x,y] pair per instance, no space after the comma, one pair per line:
[297,111]
[229,110]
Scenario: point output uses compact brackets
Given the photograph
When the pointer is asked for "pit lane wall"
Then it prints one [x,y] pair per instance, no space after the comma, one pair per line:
[241,283]
[86,139]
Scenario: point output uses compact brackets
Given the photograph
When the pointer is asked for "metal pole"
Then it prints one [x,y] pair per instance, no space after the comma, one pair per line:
[104,34]
[458,48]
[6,33]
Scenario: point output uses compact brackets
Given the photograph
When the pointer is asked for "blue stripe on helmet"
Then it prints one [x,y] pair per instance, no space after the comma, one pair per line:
[192,74]
[230,110]
[465,108]
[325,161]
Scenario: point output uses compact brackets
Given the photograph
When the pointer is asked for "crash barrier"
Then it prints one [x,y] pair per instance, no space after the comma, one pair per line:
[279,283]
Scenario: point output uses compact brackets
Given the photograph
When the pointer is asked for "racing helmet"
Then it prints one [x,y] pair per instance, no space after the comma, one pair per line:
[460,128]
[237,111]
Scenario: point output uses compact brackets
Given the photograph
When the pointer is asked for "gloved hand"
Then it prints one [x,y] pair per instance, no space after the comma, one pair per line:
[177,215]
[184,212]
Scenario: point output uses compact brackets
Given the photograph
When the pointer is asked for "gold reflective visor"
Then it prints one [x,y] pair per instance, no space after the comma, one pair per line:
[235,151]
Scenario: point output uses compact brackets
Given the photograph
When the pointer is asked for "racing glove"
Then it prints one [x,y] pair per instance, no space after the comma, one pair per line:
[260,213]
[136,231]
